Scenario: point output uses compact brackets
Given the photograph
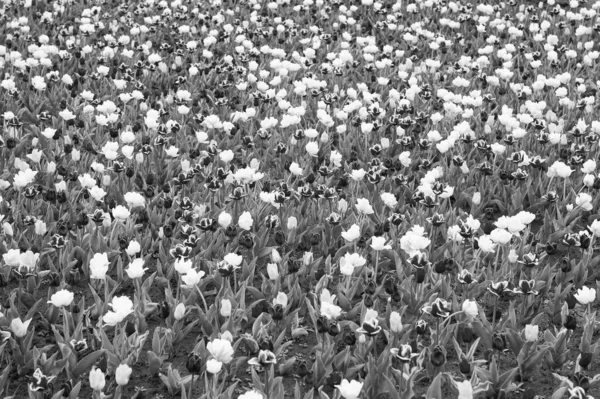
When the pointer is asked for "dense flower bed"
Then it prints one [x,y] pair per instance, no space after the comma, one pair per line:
[309,199]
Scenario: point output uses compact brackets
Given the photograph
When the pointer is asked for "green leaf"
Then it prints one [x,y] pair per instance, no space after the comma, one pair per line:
[87,362]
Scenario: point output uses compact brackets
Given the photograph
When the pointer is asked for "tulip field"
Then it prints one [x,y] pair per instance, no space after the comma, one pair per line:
[305,199]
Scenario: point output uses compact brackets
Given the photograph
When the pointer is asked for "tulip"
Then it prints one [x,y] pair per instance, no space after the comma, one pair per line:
[470,309]
[272,271]
[395,322]
[19,328]
[221,350]
[179,311]
[61,298]
[214,366]
[350,389]
[225,307]
[97,379]
[585,295]
[465,389]
[122,374]
[531,333]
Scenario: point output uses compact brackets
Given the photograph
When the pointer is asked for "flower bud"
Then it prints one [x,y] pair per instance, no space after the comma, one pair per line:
[512,256]
[438,357]
[395,322]
[106,180]
[97,380]
[585,359]
[194,363]
[179,311]
[292,223]
[122,374]
[275,257]
[531,333]
[477,198]
[225,307]
[273,271]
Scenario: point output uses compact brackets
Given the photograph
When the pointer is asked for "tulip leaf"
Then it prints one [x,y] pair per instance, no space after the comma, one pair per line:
[87,362]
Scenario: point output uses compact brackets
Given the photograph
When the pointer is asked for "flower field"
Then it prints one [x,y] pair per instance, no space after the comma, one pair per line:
[304,199]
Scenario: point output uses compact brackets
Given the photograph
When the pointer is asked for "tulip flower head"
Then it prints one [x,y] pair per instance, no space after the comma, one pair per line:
[350,389]
[122,374]
[438,308]
[404,353]
[40,382]
[370,325]
[585,295]
[264,358]
[19,328]
[97,379]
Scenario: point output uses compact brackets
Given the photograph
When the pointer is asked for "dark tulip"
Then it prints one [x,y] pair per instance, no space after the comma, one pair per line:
[438,357]
[371,287]
[420,275]
[571,300]
[129,328]
[168,231]
[163,309]
[61,197]
[322,325]
[303,370]
[498,341]
[54,279]
[265,344]
[396,296]
[246,240]
[581,380]
[11,143]
[390,285]
[194,363]
[368,301]
[66,387]
[551,248]
[277,312]
[334,328]
[129,172]
[571,322]
[585,360]
[350,338]
[421,327]
[335,378]
[123,243]
[50,195]
[167,202]
[465,366]
[279,237]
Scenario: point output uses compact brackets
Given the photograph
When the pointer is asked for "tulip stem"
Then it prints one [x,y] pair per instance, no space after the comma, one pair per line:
[375,347]
[494,315]
[376,266]
[437,331]
[203,300]
[191,386]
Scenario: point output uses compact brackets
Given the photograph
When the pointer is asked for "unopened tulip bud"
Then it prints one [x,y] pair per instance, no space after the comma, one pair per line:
[273,271]
[395,322]
[122,374]
[106,180]
[512,256]
[97,379]
[477,198]
[275,257]
[225,307]
[179,311]
[292,223]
